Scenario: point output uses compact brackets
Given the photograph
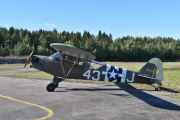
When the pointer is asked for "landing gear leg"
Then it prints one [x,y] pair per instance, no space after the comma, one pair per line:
[53,85]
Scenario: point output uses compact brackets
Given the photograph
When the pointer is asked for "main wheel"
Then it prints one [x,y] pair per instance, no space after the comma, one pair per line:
[51,87]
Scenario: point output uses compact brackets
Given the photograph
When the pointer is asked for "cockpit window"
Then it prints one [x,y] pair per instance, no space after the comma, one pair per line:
[56,56]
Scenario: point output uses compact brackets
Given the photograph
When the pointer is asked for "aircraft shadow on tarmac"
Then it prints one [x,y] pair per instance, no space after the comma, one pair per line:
[138,93]
[150,99]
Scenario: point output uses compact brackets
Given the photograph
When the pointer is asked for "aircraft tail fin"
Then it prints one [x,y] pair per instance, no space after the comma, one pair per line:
[153,69]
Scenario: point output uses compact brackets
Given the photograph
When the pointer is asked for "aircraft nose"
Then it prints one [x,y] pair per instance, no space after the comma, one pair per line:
[38,62]
[35,59]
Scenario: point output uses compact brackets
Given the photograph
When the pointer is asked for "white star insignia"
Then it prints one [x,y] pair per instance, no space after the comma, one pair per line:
[113,74]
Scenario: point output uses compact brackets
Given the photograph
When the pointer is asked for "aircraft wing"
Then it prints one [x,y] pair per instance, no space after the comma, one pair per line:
[71,50]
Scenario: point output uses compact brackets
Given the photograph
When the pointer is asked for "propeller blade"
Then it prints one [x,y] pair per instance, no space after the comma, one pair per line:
[28,59]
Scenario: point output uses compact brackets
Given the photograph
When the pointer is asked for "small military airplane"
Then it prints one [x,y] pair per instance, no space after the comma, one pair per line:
[70,62]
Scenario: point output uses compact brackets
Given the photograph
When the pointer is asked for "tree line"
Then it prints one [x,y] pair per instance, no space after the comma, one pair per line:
[21,42]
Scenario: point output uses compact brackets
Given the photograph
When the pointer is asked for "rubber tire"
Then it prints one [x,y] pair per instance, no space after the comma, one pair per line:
[51,87]
[157,89]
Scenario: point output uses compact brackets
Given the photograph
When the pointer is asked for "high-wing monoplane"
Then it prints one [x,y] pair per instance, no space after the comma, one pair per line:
[70,62]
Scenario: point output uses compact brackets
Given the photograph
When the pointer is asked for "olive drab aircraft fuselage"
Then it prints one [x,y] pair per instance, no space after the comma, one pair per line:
[70,62]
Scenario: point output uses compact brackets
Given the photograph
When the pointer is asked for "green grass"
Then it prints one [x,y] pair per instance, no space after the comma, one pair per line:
[172,79]
[34,75]
[171,73]
[7,67]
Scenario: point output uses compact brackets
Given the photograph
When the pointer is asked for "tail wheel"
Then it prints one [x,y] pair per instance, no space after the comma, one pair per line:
[51,87]
[157,89]
[156,86]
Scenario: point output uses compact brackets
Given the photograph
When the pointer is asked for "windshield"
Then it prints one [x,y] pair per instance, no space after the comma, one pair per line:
[56,56]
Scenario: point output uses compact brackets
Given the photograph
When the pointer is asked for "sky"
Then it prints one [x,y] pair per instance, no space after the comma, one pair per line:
[118,17]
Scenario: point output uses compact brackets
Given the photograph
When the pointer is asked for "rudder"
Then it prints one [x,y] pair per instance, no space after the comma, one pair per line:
[153,69]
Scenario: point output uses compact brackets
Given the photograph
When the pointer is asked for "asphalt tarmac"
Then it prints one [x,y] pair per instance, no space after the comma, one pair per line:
[27,99]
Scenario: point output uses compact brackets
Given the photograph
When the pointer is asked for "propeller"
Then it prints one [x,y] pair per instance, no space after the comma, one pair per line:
[28,59]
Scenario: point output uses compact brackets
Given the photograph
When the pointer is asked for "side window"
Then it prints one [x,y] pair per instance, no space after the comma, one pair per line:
[56,56]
